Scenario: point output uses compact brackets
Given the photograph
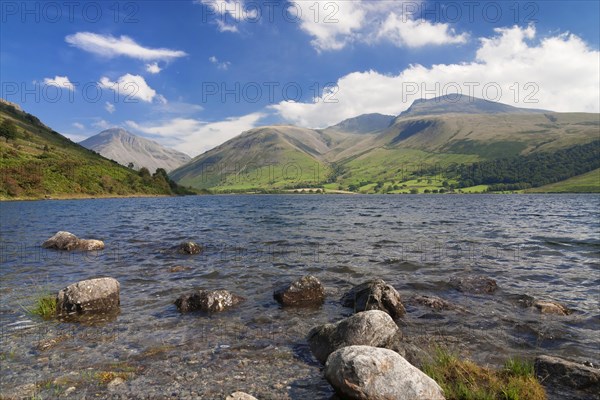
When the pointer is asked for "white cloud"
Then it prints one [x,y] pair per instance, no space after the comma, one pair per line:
[110,46]
[101,124]
[417,33]
[194,137]
[132,87]
[224,65]
[153,68]
[78,125]
[335,24]
[558,73]
[60,81]
[229,13]
[109,107]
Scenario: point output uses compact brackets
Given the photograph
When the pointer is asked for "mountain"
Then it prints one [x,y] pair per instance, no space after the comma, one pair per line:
[271,156]
[454,104]
[366,123]
[37,162]
[125,147]
[374,152]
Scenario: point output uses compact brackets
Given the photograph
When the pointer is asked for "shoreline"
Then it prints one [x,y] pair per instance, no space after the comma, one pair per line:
[282,193]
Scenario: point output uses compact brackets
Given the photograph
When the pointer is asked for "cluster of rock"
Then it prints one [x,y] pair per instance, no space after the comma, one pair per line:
[362,354]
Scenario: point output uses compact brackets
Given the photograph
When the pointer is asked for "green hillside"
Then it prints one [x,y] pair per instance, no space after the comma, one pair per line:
[585,183]
[416,153]
[37,162]
[267,158]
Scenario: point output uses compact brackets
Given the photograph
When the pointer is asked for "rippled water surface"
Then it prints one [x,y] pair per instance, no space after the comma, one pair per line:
[544,246]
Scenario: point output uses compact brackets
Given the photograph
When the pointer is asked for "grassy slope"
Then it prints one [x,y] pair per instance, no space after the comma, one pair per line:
[586,183]
[270,158]
[393,158]
[41,163]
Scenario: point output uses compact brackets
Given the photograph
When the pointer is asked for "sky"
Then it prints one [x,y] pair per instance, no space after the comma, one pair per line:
[192,74]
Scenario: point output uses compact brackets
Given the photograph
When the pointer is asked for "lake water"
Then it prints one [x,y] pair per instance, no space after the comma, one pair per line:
[545,246]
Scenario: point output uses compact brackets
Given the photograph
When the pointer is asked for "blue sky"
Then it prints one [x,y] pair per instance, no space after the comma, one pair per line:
[193,74]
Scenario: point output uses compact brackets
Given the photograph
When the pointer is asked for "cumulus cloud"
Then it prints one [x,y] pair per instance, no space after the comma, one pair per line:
[153,68]
[193,136]
[224,65]
[334,24]
[132,87]
[109,107]
[78,125]
[110,47]
[558,73]
[60,81]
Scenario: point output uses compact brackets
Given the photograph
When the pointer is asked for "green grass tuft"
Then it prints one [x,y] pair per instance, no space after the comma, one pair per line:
[44,306]
[465,380]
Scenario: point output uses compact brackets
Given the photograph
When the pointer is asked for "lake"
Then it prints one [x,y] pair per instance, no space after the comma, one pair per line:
[544,246]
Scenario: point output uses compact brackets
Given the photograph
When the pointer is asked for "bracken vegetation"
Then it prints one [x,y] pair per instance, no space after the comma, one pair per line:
[37,162]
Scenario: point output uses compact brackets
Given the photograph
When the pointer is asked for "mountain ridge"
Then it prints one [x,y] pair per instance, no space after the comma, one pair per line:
[124,147]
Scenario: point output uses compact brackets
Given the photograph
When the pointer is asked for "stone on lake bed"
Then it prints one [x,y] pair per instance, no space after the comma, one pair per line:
[190,248]
[240,396]
[99,295]
[560,373]
[434,302]
[374,295]
[373,328]
[67,241]
[179,268]
[365,372]
[208,301]
[474,284]
[306,291]
[551,307]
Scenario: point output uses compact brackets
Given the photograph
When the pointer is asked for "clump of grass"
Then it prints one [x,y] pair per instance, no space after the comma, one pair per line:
[44,306]
[465,380]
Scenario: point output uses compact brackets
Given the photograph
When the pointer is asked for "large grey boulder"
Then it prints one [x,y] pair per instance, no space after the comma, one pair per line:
[474,284]
[568,379]
[67,241]
[306,291]
[372,373]
[208,301]
[99,295]
[374,295]
[372,328]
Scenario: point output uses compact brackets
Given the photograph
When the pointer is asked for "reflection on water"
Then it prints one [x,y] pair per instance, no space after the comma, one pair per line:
[542,246]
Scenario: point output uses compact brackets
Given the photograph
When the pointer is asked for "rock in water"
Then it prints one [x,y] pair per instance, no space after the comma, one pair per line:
[190,248]
[240,396]
[434,302]
[561,374]
[306,291]
[209,301]
[474,284]
[551,307]
[371,328]
[374,295]
[100,295]
[67,241]
[365,372]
